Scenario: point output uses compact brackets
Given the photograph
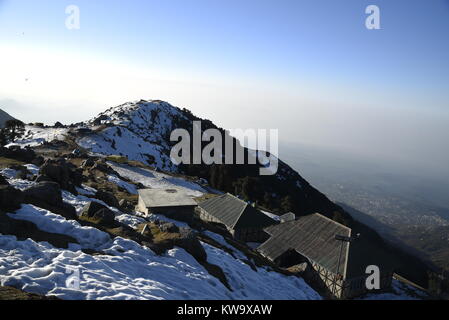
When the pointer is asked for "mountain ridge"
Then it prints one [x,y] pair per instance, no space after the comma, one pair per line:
[140,131]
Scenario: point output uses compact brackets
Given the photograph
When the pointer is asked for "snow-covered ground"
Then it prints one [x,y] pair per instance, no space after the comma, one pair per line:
[35,136]
[130,188]
[401,291]
[156,180]
[126,144]
[128,270]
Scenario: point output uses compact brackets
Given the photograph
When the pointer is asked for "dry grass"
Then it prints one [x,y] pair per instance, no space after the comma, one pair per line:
[158,236]
[205,197]
[7,162]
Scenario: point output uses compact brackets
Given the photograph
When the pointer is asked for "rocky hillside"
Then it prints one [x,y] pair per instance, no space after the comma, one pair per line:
[140,132]
[4,117]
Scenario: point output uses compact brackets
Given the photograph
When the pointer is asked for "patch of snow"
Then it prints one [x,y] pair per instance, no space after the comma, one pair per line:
[87,237]
[130,271]
[128,144]
[219,238]
[21,184]
[123,184]
[86,190]
[400,291]
[33,169]
[9,173]
[260,285]
[160,217]
[35,136]
[156,180]
[271,215]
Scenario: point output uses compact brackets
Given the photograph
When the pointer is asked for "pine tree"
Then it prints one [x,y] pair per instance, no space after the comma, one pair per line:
[3,138]
[14,129]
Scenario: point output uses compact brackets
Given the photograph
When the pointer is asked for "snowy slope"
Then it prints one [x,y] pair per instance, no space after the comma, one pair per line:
[35,136]
[138,130]
[157,180]
[127,270]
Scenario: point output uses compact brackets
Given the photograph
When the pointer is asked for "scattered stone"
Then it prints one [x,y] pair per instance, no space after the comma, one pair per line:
[38,161]
[102,166]
[90,209]
[25,229]
[168,227]
[66,174]
[43,178]
[26,155]
[104,217]
[190,243]
[47,195]
[11,199]
[97,213]
[89,162]
[10,293]
[107,198]
[3,181]
[49,192]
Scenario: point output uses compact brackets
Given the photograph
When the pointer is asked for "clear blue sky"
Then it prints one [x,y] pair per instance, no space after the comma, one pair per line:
[285,40]
[309,60]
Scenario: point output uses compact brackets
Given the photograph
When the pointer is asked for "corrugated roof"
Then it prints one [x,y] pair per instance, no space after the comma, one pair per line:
[313,236]
[173,197]
[235,213]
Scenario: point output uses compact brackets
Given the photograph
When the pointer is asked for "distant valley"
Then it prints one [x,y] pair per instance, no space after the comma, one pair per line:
[404,206]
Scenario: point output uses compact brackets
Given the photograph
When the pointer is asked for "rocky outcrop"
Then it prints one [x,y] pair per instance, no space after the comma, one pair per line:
[10,293]
[47,195]
[97,213]
[25,229]
[107,198]
[25,155]
[67,175]
[3,181]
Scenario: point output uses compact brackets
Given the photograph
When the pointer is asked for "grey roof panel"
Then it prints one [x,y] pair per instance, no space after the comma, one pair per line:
[235,213]
[313,236]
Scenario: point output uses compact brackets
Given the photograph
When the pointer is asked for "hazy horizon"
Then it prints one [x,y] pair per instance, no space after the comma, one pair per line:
[310,69]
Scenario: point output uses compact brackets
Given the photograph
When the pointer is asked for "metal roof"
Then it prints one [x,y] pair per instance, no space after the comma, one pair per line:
[235,213]
[172,197]
[313,236]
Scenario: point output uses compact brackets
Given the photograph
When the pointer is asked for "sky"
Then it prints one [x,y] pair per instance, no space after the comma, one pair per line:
[308,68]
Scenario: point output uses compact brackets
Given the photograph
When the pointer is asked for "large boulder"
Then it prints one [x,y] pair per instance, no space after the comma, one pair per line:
[90,209]
[42,178]
[11,199]
[189,242]
[168,227]
[48,192]
[23,230]
[89,162]
[97,213]
[26,155]
[107,198]
[3,181]
[102,166]
[66,174]
[47,195]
